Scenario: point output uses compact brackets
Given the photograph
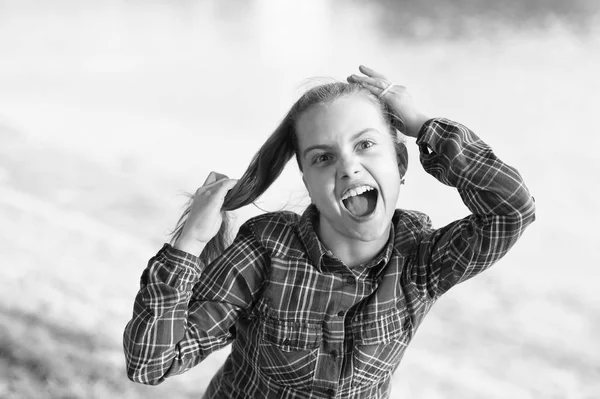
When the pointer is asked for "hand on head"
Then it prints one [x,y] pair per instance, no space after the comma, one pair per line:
[395,96]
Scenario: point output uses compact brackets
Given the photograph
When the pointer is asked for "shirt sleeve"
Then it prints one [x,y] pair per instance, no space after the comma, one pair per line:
[494,192]
[184,311]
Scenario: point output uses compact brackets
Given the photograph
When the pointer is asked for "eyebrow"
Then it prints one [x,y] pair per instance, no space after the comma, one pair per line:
[327,147]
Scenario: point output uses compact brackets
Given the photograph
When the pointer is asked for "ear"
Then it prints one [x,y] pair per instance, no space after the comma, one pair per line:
[402,158]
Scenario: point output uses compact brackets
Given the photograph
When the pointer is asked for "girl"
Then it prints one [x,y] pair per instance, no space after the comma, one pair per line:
[323,305]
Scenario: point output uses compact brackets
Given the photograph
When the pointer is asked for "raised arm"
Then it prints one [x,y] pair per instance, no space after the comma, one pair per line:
[184,309]
[494,192]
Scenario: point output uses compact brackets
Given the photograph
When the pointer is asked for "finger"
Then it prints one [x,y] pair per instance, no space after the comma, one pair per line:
[379,83]
[375,90]
[215,186]
[216,190]
[354,79]
[226,182]
[220,176]
[214,177]
[223,186]
[370,72]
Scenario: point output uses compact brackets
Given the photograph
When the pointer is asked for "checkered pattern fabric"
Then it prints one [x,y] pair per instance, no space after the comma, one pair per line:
[301,323]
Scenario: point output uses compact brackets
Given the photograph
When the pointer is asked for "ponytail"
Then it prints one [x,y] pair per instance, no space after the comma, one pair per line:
[266,165]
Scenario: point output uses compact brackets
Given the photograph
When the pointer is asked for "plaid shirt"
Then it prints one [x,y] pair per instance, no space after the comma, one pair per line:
[301,323]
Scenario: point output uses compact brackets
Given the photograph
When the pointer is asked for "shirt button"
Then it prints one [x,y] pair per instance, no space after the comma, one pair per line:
[333,354]
[286,342]
[351,280]
[341,313]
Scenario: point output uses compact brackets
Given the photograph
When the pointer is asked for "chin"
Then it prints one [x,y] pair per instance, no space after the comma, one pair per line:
[370,231]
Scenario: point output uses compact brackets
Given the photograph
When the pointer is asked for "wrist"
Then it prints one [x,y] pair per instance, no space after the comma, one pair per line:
[418,122]
[191,246]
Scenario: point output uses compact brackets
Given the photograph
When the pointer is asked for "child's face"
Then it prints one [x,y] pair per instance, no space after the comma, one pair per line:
[345,148]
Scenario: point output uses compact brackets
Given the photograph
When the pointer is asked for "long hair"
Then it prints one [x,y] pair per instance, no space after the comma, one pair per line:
[270,160]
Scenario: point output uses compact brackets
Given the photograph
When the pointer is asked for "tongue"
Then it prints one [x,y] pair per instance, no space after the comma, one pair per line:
[361,205]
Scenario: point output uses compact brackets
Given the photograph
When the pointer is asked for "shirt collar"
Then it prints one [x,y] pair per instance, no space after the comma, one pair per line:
[317,251]
[309,237]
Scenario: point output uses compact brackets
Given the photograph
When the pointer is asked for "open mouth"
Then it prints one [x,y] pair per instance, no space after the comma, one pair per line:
[360,201]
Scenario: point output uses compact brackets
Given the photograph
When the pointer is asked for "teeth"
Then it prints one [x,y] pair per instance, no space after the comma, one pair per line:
[351,192]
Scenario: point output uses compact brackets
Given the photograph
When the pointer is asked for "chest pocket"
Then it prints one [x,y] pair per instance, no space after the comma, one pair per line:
[288,351]
[379,344]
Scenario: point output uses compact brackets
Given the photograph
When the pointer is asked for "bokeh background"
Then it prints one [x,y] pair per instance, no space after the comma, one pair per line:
[111,110]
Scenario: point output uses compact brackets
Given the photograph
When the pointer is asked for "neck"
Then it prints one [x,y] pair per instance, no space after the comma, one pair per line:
[352,252]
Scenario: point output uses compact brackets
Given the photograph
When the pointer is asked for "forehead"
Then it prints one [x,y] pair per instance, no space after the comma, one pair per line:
[337,120]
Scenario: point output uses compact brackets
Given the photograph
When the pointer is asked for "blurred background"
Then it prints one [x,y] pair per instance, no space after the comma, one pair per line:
[111,110]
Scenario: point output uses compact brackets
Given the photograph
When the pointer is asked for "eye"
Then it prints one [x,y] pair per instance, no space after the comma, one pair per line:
[322,158]
[363,145]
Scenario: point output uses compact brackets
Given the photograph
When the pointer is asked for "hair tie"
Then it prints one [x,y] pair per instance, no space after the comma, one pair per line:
[386,90]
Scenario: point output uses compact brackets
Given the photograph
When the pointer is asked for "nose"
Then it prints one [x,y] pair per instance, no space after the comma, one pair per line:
[348,166]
